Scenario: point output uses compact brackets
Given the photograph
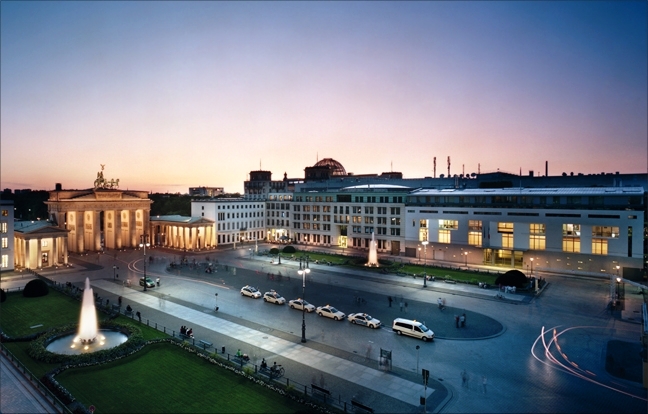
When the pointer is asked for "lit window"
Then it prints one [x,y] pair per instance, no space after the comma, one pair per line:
[444,236]
[599,246]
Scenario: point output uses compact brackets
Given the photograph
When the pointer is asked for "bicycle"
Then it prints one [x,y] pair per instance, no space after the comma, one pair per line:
[276,372]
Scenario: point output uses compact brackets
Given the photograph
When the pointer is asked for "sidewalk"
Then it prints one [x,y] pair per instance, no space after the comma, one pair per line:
[358,378]
[18,394]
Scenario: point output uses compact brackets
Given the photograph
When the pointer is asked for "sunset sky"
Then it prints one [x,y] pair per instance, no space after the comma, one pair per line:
[175,95]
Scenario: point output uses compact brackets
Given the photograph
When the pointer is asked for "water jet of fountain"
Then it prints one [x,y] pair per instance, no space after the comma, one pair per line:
[373,252]
[88,326]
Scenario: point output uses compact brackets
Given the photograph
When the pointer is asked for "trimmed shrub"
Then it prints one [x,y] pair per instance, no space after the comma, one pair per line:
[289,249]
[3,295]
[274,250]
[512,278]
[35,288]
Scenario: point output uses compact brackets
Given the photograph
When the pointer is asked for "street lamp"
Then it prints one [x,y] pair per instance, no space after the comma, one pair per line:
[303,273]
[115,267]
[419,258]
[531,266]
[144,242]
[424,243]
[466,255]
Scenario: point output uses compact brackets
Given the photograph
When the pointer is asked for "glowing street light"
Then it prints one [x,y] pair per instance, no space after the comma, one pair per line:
[144,242]
[303,273]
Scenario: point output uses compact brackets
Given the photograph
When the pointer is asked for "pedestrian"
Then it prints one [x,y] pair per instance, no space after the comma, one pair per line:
[484,382]
[440,302]
[119,299]
[389,298]
[464,378]
[457,321]
[158,281]
[405,307]
[401,305]
[139,316]
[463,320]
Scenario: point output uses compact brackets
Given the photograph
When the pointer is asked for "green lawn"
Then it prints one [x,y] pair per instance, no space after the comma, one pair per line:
[408,269]
[165,378]
[160,378]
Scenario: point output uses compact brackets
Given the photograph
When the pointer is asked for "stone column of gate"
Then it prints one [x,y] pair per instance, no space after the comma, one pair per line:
[118,230]
[132,229]
[78,231]
[65,252]
[193,237]
[56,246]
[96,230]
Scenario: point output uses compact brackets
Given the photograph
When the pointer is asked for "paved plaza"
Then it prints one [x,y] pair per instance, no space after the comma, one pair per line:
[499,352]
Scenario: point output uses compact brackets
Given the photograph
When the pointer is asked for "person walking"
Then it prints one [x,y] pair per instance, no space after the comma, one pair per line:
[389,299]
[139,316]
[119,299]
[157,281]
[457,321]
[462,319]
[405,307]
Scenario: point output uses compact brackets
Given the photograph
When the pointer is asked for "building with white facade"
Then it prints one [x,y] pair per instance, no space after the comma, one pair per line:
[6,235]
[235,220]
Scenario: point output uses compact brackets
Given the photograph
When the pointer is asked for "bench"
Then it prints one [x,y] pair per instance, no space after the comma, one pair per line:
[321,390]
[361,406]
[205,344]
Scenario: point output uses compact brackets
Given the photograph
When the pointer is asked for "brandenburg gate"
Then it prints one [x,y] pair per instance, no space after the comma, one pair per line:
[100,217]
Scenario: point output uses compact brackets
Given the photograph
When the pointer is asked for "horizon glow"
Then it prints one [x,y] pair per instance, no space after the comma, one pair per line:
[172,95]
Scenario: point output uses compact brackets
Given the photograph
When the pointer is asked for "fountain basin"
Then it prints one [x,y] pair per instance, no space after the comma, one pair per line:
[105,339]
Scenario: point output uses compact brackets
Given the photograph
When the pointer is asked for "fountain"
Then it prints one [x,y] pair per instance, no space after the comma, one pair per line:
[88,321]
[373,253]
[88,338]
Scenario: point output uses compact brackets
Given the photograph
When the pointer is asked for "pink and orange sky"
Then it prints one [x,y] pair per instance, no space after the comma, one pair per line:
[171,95]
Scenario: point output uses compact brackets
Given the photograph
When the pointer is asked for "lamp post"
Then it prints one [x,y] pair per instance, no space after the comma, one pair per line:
[531,266]
[303,273]
[115,267]
[424,243]
[618,290]
[419,258]
[466,255]
[144,242]
[417,357]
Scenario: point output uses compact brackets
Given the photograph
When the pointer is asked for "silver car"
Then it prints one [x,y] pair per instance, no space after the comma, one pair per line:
[274,297]
[330,312]
[301,304]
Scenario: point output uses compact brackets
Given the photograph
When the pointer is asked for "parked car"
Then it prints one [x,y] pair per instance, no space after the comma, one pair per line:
[364,319]
[300,304]
[330,312]
[250,291]
[274,297]
[412,328]
[149,282]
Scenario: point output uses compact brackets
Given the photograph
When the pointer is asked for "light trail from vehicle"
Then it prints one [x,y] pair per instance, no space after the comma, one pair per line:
[569,367]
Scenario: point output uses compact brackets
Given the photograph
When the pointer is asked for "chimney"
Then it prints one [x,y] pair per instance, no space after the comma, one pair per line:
[58,187]
[546,168]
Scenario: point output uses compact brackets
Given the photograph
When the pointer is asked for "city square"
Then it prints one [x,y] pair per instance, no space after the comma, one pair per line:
[384,207]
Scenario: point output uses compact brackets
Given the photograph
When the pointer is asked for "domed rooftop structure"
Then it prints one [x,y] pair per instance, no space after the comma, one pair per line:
[335,167]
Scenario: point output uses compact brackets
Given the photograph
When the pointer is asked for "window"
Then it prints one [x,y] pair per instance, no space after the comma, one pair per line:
[5,213]
[571,230]
[504,227]
[448,224]
[369,229]
[5,242]
[423,224]
[369,210]
[357,210]
[537,237]
[475,232]
[3,227]
[369,220]
[571,244]
[382,210]
[395,221]
[357,219]
[605,231]
[382,230]
[395,210]
[507,240]
[382,220]
[356,229]
[395,231]
[444,236]
[599,246]
[5,260]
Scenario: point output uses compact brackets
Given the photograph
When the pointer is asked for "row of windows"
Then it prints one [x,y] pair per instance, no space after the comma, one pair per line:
[527,200]
[236,206]
[278,206]
[239,225]
[221,216]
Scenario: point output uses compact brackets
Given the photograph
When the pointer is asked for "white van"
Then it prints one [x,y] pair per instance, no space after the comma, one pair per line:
[412,328]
